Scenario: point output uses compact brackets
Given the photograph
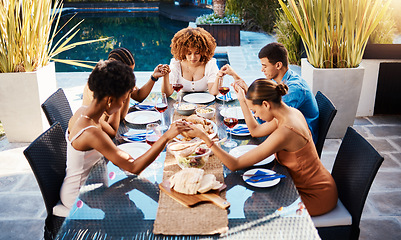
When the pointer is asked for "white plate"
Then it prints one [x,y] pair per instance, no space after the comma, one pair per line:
[238,134]
[262,183]
[212,135]
[199,98]
[232,112]
[135,149]
[142,117]
[221,97]
[240,150]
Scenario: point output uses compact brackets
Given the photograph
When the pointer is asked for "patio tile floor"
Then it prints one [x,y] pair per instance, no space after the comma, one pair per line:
[22,211]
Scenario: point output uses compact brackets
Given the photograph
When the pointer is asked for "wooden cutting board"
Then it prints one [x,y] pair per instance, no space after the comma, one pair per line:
[192,200]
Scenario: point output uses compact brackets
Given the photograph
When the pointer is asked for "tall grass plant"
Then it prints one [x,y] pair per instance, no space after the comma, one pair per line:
[28,28]
[334,32]
[286,34]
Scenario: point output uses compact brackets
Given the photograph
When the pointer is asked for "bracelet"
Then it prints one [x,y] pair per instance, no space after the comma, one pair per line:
[153,78]
[211,145]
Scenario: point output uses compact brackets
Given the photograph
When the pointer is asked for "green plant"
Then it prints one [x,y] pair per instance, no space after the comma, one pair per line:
[257,14]
[286,34]
[335,32]
[213,18]
[385,31]
[26,42]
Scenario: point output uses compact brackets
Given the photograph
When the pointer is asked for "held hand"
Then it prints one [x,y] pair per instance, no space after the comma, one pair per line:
[240,83]
[227,69]
[176,128]
[164,69]
[194,131]
[240,91]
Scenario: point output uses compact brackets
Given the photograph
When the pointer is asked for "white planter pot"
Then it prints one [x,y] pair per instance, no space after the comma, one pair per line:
[21,95]
[342,86]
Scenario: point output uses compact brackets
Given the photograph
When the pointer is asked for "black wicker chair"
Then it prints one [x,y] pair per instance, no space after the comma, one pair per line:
[57,109]
[327,112]
[47,156]
[354,170]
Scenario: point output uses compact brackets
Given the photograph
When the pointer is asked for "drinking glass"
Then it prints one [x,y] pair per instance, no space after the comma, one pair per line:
[223,89]
[177,87]
[161,106]
[153,133]
[230,120]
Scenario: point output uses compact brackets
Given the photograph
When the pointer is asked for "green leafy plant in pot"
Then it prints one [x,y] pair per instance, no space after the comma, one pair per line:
[27,55]
[334,34]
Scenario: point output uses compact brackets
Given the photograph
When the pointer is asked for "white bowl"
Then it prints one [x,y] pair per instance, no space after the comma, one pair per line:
[207,112]
[192,160]
[186,109]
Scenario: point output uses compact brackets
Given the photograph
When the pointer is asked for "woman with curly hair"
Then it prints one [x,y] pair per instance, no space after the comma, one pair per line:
[111,83]
[124,55]
[193,64]
[289,139]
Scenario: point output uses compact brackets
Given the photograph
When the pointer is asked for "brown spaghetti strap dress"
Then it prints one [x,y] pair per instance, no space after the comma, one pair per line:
[314,183]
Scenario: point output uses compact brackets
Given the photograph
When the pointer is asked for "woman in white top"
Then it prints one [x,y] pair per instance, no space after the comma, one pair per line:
[111,83]
[193,64]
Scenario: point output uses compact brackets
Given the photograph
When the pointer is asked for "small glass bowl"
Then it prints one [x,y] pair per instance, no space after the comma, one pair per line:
[192,160]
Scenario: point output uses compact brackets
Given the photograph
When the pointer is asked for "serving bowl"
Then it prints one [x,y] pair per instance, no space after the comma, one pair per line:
[189,157]
[185,109]
[207,112]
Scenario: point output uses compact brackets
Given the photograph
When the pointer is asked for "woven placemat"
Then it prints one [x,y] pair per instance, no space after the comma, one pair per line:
[204,219]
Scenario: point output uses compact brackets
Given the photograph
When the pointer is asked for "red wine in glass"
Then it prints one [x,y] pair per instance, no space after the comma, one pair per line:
[224,90]
[151,139]
[177,87]
[161,107]
[230,122]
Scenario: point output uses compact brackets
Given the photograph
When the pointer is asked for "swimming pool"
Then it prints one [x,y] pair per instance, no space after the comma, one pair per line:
[147,34]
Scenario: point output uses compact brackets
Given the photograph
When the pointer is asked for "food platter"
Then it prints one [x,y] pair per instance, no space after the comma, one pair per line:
[212,135]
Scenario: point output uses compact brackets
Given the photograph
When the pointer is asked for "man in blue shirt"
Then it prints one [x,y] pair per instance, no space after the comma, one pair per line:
[274,60]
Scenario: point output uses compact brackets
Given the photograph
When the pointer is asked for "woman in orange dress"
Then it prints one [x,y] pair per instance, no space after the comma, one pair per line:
[288,137]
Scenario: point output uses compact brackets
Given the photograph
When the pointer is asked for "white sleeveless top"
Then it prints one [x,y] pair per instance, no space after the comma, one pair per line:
[200,85]
[79,164]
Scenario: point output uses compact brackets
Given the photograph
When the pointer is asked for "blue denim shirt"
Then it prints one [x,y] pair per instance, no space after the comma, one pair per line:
[300,96]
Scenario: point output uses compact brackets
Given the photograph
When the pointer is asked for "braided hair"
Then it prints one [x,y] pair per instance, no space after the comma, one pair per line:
[263,89]
[123,55]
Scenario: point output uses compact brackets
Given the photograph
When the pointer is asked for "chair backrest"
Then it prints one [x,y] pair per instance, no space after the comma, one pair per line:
[354,170]
[47,156]
[57,109]
[327,112]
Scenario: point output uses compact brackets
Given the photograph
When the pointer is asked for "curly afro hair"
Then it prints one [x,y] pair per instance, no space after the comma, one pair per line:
[197,38]
[111,78]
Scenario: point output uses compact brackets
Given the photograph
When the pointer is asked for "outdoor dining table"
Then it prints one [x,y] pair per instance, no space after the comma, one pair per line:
[114,204]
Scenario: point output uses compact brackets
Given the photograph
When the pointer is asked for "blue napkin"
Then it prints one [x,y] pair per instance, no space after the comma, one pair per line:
[228,97]
[145,107]
[260,176]
[135,135]
[239,130]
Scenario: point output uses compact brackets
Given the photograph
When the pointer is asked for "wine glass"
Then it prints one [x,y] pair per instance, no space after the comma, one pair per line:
[152,133]
[177,87]
[230,120]
[223,90]
[161,106]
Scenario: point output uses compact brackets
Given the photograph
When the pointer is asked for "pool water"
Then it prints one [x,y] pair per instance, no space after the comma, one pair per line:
[146,34]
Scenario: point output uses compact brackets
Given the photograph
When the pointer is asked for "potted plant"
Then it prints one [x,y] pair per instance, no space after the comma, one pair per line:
[27,75]
[226,29]
[334,35]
